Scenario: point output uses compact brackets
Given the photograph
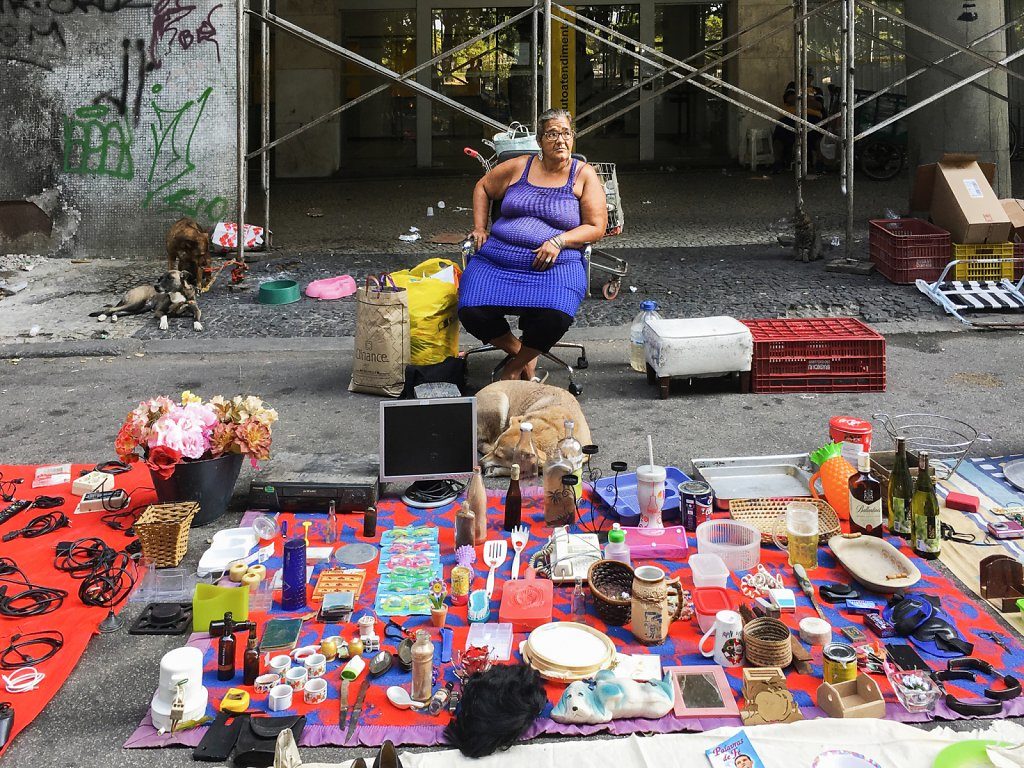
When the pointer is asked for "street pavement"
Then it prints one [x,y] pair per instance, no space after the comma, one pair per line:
[69,407]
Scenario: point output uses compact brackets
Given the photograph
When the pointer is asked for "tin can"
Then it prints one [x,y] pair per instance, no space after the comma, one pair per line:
[696,503]
[853,433]
[839,663]
[460,585]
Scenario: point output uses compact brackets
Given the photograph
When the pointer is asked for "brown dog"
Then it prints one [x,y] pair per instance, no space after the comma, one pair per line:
[188,250]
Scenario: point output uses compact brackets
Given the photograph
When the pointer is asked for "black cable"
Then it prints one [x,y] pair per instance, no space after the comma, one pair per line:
[949,533]
[109,586]
[426,492]
[49,642]
[48,502]
[40,526]
[83,557]
[8,487]
[32,600]
[123,519]
[114,467]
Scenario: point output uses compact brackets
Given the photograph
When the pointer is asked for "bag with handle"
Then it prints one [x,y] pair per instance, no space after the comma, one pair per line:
[382,338]
[518,138]
[433,287]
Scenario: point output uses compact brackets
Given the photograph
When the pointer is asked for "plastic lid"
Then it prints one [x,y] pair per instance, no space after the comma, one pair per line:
[851,425]
[648,306]
[651,473]
[711,600]
[616,535]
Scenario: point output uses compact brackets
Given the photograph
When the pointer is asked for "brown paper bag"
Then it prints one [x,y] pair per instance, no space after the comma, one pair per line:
[382,339]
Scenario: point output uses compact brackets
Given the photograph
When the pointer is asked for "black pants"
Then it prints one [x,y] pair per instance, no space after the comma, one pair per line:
[541,328]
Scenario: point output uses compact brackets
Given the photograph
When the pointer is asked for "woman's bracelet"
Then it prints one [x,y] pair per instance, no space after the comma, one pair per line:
[557,242]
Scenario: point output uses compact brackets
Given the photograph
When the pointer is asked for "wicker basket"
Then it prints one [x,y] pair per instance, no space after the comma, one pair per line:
[163,531]
[766,514]
[608,580]
[767,643]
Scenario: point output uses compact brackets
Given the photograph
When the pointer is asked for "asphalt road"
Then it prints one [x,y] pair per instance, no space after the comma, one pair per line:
[69,408]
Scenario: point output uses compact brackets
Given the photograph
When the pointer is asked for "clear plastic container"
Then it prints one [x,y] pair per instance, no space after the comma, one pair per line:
[637,359]
[617,548]
[738,544]
[708,570]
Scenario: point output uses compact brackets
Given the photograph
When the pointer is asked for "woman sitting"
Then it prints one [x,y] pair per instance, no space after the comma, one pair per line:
[531,264]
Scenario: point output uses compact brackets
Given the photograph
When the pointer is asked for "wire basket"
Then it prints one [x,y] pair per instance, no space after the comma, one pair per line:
[944,438]
[611,585]
[163,531]
[610,182]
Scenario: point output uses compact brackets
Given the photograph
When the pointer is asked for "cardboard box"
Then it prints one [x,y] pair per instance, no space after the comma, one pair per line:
[957,191]
[1015,210]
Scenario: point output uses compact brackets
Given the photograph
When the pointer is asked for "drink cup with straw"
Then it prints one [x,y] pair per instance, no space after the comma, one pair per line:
[650,490]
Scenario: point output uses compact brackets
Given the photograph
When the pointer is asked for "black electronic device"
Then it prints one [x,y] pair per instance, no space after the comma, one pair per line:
[309,482]
[163,619]
[905,657]
[12,509]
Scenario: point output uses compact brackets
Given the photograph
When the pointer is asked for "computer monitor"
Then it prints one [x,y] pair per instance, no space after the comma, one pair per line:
[427,440]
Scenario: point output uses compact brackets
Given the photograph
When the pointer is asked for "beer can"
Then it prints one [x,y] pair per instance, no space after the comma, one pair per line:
[696,503]
[839,663]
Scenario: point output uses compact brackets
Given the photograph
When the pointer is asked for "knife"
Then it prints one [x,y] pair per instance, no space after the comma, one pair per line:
[357,710]
[343,696]
[808,589]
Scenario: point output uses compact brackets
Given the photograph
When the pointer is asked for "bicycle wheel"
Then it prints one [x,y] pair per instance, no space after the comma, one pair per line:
[880,160]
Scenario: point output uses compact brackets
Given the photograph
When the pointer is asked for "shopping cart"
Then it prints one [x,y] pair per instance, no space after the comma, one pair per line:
[595,259]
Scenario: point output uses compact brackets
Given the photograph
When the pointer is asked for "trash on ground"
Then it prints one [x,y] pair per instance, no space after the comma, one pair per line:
[314,213]
[440,204]
[10,289]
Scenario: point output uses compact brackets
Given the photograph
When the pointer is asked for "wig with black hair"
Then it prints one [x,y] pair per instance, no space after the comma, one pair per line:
[496,708]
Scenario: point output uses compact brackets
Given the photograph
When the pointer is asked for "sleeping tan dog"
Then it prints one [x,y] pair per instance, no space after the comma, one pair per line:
[502,406]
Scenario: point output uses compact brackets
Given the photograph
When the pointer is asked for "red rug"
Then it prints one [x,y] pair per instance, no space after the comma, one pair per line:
[35,557]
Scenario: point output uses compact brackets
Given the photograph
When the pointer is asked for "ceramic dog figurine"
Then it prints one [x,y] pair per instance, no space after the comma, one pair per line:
[608,698]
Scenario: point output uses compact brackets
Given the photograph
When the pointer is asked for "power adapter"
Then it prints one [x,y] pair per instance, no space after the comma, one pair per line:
[92,481]
[103,501]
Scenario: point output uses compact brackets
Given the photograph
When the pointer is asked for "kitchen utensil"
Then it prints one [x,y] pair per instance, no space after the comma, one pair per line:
[379,664]
[520,535]
[620,494]
[708,570]
[727,633]
[763,514]
[801,539]
[946,439]
[756,477]
[400,698]
[566,651]
[1013,471]
[875,563]
[738,544]
[808,588]
[494,555]
[652,611]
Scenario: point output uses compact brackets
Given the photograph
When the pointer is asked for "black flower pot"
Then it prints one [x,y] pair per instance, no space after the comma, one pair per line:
[210,482]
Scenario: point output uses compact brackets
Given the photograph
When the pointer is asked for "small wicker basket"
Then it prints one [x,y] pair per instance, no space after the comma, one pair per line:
[766,643]
[767,514]
[611,585]
[163,531]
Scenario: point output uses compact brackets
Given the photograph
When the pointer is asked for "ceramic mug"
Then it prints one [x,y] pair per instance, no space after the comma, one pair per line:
[280,697]
[728,635]
[300,654]
[652,612]
[280,664]
[315,691]
[296,677]
[264,683]
[316,665]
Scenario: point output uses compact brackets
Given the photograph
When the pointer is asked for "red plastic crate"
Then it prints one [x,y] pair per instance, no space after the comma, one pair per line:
[827,354]
[904,250]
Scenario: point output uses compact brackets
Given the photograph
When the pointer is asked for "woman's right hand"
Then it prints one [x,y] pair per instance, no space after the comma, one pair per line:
[479,238]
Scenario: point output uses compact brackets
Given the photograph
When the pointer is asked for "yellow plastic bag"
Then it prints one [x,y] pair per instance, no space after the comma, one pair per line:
[433,310]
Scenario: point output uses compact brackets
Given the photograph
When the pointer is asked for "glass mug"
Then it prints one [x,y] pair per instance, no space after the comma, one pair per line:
[801,521]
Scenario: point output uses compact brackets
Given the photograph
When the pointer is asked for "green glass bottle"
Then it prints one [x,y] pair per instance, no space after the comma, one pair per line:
[901,493]
[927,541]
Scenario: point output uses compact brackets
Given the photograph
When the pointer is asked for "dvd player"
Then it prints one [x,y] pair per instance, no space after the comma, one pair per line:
[309,482]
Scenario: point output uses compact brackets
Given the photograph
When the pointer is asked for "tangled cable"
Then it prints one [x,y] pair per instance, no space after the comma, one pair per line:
[32,600]
[31,648]
[108,575]
[40,526]
[25,679]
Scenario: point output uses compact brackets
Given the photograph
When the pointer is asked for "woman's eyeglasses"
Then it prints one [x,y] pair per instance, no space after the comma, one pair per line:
[555,135]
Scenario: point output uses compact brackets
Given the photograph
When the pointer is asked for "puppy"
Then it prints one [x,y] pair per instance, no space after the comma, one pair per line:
[172,294]
[502,406]
[188,250]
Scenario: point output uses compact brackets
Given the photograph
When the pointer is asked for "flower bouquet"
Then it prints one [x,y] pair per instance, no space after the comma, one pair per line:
[194,449]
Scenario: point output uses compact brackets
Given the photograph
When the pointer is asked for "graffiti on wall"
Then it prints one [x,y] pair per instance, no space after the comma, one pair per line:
[172,28]
[95,145]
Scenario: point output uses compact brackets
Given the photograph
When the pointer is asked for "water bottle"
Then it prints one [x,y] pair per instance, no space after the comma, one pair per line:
[617,548]
[648,311]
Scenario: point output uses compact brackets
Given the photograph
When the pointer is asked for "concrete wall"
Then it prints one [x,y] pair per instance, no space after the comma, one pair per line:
[123,113]
[763,69]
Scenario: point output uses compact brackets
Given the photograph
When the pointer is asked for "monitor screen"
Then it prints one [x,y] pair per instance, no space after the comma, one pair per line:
[427,439]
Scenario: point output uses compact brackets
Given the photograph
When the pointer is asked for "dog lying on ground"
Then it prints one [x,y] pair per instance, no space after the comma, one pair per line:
[188,250]
[173,294]
[502,406]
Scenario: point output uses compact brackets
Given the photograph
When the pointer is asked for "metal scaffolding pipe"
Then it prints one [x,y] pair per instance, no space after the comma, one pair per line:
[534,53]
[241,92]
[546,96]
[848,147]
[265,122]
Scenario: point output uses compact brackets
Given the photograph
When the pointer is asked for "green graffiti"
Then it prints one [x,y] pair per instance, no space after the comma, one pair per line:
[94,146]
[187,202]
[172,139]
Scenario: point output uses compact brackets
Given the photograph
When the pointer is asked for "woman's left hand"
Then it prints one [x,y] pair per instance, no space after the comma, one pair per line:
[546,256]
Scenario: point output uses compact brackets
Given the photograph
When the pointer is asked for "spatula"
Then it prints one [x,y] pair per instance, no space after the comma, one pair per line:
[494,556]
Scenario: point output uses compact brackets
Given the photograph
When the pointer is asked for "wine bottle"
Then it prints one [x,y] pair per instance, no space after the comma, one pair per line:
[251,660]
[226,649]
[865,499]
[901,492]
[927,540]
[513,502]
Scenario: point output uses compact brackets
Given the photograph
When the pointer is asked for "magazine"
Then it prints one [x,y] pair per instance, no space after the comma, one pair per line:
[734,752]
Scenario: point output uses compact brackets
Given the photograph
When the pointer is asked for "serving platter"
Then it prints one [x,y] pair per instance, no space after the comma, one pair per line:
[875,563]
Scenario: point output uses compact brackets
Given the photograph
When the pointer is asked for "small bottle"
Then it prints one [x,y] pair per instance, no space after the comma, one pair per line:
[865,499]
[440,700]
[476,495]
[251,660]
[637,357]
[226,649]
[370,522]
[525,455]
[571,451]
[465,526]
[578,602]
[422,667]
[927,538]
[332,523]
[513,501]
[559,498]
[901,492]
[617,548]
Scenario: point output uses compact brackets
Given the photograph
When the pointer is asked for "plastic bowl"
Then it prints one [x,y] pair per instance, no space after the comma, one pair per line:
[708,570]
[279,292]
[738,544]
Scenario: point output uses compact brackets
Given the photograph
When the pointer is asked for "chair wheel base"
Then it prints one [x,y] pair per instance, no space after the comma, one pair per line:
[582,363]
[575,390]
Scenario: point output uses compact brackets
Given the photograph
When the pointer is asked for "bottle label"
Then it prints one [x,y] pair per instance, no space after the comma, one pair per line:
[867,515]
[899,515]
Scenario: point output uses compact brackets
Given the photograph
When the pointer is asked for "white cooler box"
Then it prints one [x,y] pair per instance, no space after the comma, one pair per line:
[697,347]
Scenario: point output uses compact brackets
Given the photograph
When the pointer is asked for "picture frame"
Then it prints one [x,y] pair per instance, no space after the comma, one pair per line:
[702,690]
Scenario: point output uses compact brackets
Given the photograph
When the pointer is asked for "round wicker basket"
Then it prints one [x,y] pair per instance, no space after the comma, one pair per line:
[766,643]
[611,585]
